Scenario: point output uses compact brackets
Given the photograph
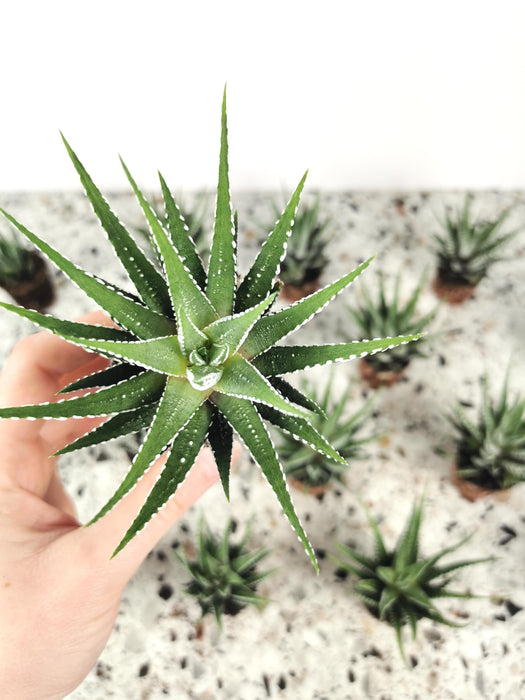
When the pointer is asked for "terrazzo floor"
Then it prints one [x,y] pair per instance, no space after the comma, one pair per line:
[314,640]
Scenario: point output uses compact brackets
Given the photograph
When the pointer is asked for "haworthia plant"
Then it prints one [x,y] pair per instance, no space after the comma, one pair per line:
[192,353]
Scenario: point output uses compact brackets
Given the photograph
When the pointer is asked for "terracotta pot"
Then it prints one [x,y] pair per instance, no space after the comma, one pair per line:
[319,490]
[37,292]
[292,293]
[375,377]
[472,492]
[452,293]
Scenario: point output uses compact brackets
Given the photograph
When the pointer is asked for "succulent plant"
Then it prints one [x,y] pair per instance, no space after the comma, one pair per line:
[491,451]
[23,274]
[398,585]
[305,257]
[376,317]
[16,262]
[466,249]
[311,468]
[224,575]
[193,352]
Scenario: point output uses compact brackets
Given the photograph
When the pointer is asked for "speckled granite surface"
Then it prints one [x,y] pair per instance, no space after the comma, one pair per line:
[314,640]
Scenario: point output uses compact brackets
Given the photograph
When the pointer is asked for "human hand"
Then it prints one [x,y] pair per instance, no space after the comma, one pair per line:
[59,589]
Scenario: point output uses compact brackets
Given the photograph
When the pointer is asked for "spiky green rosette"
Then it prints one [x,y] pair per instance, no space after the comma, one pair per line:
[384,317]
[491,451]
[397,585]
[466,249]
[306,254]
[311,468]
[224,576]
[193,356]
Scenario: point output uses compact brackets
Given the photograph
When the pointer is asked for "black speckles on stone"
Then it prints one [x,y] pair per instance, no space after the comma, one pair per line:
[80,490]
[175,544]
[372,651]
[281,683]
[165,591]
[351,676]
[102,456]
[144,670]
[413,661]
[320,553]
[509,534]
[441,360]
[341,574]
[103,671]
[512,608]
[266,683]
[161,556]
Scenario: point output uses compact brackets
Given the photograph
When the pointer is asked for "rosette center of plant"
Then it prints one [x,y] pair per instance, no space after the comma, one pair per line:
[206,365]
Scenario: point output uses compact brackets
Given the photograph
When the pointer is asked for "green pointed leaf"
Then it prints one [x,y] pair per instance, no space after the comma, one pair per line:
[296,396]
[387,600]
[121,424]
[180,237]
[241,379]
[176,406]
[270,329]
[232,330]
[190,337]
[245,420]
[280,360]
[261,278]
[126,312]
[301,430]
[106,377]
[184,290]
[71,329]
[182,457]
[149,283]
[159,354]
[408,545]
[129,394]
[220,437]
[222,273]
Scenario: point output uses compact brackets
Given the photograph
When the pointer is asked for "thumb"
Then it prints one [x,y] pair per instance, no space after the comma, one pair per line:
[104,535]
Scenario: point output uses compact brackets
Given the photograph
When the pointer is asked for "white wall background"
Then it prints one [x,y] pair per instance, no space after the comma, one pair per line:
[377,94]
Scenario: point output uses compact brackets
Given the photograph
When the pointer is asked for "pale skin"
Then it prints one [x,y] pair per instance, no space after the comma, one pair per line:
[59,589]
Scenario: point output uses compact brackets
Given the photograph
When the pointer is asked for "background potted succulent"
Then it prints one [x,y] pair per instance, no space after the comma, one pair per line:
[490,452]
[306,256]
[398,585]
[311,471]
[23,274]
[193,352]
[224,574]
[465,251]
[384,315]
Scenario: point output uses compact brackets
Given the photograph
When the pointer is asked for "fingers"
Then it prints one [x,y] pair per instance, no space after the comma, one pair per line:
[106,533]
[33,370]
